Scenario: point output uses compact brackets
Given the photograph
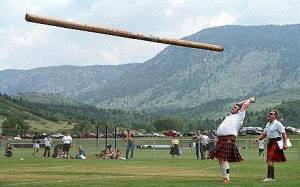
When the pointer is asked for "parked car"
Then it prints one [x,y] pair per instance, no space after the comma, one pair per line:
[26,136]
[57,135]
[189,134]
[171,133]
[292,130]
[90,135]
[153,134]
[138,134]
[251,130]
[17,138]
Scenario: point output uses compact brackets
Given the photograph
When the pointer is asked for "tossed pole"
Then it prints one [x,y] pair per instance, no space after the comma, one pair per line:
[120,33]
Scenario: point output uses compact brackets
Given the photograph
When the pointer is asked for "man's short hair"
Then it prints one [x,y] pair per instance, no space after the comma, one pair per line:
[275,112]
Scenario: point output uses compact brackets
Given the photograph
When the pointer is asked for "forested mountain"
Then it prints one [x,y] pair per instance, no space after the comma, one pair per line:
[257,60]
[65,80]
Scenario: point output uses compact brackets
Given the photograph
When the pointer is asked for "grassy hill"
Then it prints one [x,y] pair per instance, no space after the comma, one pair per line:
[60,116]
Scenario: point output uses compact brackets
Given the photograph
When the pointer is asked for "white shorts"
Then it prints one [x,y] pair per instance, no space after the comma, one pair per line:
[36,145]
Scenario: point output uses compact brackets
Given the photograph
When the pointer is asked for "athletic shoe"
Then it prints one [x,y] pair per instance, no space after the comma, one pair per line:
[226,181]
[269,180]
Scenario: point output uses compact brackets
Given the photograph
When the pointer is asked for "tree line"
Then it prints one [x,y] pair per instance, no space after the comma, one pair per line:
[86,118]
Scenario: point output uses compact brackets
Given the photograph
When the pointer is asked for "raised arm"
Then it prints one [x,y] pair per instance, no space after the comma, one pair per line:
[245,104]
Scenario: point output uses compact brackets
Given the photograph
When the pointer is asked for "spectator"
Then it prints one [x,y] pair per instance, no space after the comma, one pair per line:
[197,138]
[204,148]
[80,153]
[58,151]
[175,147]
[107,153]
[67,141]
[211,143]
[36,144]
[130,144]
[8,150]
[119,155]
[261,148]
[48,145]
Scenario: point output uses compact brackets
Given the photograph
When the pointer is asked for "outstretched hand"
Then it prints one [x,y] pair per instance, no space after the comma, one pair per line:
[252,99]
[255,141]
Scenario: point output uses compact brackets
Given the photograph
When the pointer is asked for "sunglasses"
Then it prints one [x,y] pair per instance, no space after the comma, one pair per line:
[271,113]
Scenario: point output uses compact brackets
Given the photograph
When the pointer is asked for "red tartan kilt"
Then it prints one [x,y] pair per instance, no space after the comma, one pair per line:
[275,154]
[225,149]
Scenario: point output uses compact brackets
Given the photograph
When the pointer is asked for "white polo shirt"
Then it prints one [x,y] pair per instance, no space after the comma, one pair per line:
[231,124]
[67,139]
[274,129]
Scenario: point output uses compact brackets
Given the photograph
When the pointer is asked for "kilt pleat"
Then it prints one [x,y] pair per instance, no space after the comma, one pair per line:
[225,149]
[274,153]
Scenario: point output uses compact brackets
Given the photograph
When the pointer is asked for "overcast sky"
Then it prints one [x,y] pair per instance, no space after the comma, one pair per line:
[25,45]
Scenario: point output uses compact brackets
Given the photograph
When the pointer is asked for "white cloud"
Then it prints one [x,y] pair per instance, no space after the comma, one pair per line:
[26,39]
[222,19]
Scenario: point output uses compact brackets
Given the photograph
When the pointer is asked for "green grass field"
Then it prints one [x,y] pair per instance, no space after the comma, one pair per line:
[149,168]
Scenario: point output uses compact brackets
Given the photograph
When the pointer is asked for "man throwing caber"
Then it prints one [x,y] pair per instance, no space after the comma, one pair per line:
[225,149]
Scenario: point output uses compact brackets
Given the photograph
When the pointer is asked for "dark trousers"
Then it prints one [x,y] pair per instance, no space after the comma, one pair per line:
[47,152]
[199,151]
[130,147]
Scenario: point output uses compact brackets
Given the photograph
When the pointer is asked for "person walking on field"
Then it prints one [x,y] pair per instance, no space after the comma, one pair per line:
[48,145]
[225,149]
[197,138]
[130,144]
[36,144]
[175,150]
[261,148]
[204,148]
[274,131]
[67,141]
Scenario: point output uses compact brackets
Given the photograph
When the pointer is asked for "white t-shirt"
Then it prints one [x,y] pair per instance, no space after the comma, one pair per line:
[67,139]
[204,139]
[48,142]
[231,124]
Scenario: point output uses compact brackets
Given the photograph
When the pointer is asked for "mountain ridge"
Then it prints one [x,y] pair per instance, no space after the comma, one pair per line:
[257,60]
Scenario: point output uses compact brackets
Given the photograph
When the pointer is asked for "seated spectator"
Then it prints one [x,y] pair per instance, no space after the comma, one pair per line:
[108,153]
[80,153]
[8,150]
[119,155]
[58,151]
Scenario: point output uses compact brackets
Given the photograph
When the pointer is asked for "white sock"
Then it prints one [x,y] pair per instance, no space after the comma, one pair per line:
[226,170]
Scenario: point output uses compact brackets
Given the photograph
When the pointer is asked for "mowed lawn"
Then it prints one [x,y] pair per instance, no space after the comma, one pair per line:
[148,168]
